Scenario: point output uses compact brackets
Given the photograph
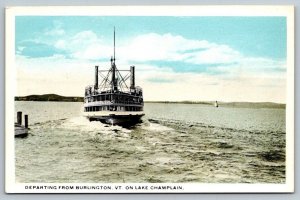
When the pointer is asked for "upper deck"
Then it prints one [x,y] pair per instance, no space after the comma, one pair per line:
[108,97]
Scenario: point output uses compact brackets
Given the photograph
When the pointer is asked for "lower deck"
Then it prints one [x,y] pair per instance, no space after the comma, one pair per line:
[113,113]
[119,108]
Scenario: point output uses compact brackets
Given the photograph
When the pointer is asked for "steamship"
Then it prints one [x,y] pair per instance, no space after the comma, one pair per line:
[114,98]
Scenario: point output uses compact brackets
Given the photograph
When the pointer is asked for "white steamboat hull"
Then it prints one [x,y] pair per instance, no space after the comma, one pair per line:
[115,117]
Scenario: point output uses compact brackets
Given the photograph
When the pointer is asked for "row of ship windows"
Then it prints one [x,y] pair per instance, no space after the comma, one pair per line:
[120,98]
[112,108]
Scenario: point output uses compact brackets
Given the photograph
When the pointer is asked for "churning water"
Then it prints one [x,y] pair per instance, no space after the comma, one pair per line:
[175,143]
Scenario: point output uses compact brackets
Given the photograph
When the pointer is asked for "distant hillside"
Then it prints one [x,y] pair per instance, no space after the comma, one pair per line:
[227,104]
[49,97]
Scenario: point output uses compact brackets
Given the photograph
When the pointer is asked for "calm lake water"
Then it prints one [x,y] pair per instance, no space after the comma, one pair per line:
[175,143]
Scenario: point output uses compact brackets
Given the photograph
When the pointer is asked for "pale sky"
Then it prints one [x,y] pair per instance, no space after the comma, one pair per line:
[176,58]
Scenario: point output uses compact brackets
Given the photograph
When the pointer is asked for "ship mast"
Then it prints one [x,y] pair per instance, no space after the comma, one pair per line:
[114,45]
[113,65]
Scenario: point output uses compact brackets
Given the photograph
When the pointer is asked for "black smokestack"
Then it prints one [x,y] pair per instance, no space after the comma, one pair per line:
[132,81]
[96,77]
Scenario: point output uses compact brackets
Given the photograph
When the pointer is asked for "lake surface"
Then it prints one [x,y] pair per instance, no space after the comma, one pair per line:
[175,143]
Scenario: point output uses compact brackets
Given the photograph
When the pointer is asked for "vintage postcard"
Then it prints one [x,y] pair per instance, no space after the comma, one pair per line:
[149,99]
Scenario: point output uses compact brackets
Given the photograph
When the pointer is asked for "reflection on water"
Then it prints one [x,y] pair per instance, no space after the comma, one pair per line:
[174,143]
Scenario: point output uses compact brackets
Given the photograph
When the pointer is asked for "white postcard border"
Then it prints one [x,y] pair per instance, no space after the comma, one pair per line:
[10,85]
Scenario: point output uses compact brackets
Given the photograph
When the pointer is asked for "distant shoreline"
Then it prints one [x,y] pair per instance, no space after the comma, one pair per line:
[58,98]
[227,104]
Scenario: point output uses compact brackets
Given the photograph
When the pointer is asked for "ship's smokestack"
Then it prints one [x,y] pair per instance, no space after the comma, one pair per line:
[96,77]
[132,81]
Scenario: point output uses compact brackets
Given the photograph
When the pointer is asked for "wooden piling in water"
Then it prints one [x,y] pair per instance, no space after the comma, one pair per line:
[21,131]
[26,121]
[19,118]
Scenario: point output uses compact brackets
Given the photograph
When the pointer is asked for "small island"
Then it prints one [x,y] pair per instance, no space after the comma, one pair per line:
[49,97]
